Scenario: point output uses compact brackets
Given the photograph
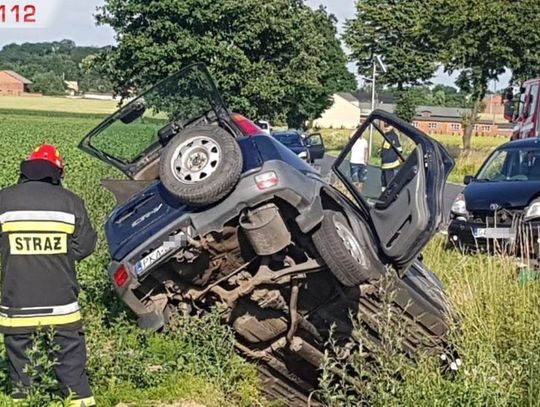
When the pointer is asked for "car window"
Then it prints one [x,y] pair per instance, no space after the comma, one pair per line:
[511,165]
[289,139]
[390,151]
[532,99]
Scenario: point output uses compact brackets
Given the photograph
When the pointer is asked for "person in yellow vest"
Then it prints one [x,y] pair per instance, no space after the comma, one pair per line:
[390,158]
[44,231]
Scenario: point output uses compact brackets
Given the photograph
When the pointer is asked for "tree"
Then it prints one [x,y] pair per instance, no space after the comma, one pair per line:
[276,60]
[480,38]
[48,83]
[47,64]
[395,30]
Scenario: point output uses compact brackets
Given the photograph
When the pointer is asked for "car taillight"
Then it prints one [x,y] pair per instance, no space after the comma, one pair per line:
[246,126]
[120,276]
[266,180]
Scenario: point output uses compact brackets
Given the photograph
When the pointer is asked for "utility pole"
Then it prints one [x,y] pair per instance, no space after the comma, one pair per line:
[370,144]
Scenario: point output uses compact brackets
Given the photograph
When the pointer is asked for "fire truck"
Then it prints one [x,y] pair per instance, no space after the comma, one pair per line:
[524,112]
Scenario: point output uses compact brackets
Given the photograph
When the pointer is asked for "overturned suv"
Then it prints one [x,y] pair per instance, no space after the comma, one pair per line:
[218,213]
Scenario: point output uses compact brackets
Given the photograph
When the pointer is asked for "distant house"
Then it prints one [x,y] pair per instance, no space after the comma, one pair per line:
[13,84]
[348,111]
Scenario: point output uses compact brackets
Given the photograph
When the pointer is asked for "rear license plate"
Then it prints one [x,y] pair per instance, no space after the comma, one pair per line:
[493,233]
[152,258]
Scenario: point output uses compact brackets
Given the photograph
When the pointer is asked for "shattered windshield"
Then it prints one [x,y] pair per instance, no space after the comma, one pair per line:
[132,132]
[512,165]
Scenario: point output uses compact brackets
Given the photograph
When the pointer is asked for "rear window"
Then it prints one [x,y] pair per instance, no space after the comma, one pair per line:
[289,139]
[132,132]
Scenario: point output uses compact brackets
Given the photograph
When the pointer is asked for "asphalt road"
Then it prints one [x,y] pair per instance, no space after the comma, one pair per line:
[450,190]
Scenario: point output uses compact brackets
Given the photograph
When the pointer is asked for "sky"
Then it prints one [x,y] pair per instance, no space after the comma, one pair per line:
[73,19]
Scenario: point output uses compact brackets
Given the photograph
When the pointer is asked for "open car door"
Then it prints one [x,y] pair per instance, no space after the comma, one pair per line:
[401,185]
[132,138]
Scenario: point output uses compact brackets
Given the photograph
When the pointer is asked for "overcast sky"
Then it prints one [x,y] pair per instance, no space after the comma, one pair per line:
[73,19]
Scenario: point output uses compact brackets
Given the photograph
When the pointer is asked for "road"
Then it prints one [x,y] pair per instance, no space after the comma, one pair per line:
[450,191]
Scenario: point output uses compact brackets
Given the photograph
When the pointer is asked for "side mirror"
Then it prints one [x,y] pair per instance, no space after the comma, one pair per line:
[132,112]
[468,179]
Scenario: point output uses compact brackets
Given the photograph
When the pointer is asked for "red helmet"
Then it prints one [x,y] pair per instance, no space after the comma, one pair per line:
[48,153]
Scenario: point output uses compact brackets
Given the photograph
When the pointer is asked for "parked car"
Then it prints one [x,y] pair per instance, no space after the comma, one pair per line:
[500,206]
[265,126]
[222,214]
[309,149]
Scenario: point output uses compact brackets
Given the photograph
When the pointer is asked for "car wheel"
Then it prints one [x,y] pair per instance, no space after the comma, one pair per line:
[201,165]
[340,249]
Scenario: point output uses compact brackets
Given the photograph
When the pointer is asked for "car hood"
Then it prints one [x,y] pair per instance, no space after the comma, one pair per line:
[479,196]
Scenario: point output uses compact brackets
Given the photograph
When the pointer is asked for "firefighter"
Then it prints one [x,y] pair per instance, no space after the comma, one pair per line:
[45,230]
[390,159]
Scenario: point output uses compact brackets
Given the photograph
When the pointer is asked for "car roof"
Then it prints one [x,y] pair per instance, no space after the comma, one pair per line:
[531,142]
[286,133]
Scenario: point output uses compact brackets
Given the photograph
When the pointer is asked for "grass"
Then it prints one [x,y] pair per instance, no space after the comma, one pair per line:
[58,104]
[498,339]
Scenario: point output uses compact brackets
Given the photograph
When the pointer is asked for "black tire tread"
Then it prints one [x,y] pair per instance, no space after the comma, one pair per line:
[335,255]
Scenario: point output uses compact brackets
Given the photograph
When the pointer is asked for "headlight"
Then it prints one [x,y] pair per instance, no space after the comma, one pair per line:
[303,155]
[459,207]
[532,211]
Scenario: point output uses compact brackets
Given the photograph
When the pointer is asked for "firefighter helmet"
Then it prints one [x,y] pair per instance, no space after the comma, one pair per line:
[48,153]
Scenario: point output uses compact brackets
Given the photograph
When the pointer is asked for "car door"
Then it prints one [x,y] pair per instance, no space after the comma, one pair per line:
[132,139]
[315,144]
[400,186]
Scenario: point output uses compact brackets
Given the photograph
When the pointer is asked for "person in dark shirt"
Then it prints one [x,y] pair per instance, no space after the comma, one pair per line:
[390,159]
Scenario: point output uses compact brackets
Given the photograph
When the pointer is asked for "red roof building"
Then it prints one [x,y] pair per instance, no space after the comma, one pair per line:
[13,84]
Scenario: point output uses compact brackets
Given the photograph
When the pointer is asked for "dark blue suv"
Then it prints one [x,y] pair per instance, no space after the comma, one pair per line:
[219,214]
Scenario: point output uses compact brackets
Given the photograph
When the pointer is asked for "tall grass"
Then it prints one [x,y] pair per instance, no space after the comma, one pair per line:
[498,338]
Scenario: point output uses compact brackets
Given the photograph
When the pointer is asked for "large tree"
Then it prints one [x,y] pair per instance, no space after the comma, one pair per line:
[396,30]
[277,59]
[481,38]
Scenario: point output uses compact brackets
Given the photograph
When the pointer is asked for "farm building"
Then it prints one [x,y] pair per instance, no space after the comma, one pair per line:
[13,84]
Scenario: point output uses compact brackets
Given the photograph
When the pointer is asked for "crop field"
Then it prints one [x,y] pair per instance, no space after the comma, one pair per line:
[499,337]
[57,104]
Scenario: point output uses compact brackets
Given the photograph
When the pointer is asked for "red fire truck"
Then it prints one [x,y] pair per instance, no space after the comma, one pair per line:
[526,113]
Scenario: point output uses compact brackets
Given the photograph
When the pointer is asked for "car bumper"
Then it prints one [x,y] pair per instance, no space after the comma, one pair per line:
[520,239]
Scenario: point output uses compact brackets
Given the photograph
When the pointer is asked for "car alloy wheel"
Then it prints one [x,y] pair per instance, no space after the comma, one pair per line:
[195,160]
[349,241]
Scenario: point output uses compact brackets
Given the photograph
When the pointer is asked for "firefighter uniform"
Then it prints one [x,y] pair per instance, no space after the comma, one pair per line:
[45,230]
[390,160]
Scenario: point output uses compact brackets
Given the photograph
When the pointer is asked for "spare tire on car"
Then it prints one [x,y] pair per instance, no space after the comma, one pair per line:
[201,165]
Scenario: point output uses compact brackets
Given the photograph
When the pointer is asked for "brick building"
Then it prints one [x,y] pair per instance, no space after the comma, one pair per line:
[349,109]
[13,84]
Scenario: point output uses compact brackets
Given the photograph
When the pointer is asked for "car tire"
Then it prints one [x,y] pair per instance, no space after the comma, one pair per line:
[337,245]
[201,165]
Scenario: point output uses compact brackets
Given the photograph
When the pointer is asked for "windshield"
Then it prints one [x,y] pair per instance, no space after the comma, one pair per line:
[289,139]
[512,165]
[132,132]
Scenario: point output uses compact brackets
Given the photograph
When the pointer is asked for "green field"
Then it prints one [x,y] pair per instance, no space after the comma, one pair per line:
[57,104]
